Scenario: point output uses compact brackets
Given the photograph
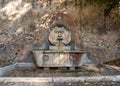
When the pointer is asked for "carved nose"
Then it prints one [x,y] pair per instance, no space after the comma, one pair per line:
[59,34]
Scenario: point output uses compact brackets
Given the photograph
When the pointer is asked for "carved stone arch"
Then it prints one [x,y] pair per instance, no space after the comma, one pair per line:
[64,17]
[61,19]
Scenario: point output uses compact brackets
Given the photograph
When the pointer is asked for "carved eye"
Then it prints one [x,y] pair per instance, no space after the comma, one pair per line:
[56,31]
[62,32]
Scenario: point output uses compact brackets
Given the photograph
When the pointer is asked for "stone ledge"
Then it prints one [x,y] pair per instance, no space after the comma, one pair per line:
[60,81]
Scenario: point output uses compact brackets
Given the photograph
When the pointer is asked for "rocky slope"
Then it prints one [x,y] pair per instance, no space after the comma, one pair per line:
[23,23]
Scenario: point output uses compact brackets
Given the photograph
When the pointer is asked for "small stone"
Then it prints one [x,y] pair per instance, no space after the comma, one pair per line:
[69,84]
[86,83]
[4,81]
[19,31]
[29,38]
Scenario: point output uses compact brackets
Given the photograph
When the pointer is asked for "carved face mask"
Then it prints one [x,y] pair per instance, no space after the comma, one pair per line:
[59,34]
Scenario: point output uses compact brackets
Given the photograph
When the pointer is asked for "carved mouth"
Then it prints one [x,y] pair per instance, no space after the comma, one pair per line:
[59,38]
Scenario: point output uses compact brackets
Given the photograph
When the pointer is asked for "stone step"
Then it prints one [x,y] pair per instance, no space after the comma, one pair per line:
[61,81]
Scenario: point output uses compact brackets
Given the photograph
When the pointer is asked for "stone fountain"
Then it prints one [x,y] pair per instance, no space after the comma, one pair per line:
[59,49]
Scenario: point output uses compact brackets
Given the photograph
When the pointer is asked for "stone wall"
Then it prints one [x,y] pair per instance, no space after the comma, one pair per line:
[23,23]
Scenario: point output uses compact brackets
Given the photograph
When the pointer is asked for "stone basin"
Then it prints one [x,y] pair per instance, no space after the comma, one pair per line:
[72,58]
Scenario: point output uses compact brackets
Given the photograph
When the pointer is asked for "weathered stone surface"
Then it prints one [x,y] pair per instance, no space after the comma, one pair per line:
[63,81]
[23,22]
[30,70]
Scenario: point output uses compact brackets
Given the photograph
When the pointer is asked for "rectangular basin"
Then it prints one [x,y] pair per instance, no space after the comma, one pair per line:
[47,58]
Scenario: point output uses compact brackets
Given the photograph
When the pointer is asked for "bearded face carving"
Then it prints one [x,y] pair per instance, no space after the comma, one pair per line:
[59,34]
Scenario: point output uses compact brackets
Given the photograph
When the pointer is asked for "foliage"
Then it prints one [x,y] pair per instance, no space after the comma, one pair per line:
[113,2]
[110,4]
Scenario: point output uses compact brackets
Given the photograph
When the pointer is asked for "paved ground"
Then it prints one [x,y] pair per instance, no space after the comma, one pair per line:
[89,75]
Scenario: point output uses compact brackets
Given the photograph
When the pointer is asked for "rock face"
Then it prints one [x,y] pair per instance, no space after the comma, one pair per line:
[23,23]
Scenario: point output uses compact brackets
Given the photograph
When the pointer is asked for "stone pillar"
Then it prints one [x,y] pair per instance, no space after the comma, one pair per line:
[45,45]
[72,41]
